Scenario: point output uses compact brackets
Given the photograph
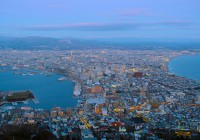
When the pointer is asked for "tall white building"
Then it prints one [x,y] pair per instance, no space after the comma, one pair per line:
[77,89]
[104,111]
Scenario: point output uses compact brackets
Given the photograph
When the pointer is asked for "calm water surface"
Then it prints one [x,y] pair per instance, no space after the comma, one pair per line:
[47,89]
[187,66]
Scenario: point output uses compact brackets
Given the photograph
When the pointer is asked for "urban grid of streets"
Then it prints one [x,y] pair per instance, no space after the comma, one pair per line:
[124,93]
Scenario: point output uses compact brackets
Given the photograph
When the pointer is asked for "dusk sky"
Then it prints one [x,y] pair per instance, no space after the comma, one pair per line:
[176,19]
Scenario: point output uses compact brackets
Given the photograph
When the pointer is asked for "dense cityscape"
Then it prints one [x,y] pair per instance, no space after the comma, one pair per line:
[122,94]
[99,70]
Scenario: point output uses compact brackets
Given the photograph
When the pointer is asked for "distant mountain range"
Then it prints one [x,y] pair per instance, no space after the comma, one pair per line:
[40,43]
[47,43]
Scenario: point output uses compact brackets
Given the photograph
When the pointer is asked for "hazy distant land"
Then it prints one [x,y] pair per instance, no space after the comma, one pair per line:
[47,43]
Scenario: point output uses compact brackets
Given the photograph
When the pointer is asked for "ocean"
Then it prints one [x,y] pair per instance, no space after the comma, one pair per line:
[47,89]
[187,66]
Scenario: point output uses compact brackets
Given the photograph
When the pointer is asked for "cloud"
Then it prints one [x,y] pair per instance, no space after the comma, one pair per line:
[118,26]
[84,26]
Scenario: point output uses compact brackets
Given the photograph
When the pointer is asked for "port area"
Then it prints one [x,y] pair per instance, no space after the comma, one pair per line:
[16,96]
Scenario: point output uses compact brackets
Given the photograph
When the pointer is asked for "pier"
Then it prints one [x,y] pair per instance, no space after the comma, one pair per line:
[16,97]
[35,101]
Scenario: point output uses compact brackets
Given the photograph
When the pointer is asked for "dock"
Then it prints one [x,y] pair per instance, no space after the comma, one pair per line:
[35,101]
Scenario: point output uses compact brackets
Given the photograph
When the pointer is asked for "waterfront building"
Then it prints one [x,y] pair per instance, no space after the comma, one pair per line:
[77,89]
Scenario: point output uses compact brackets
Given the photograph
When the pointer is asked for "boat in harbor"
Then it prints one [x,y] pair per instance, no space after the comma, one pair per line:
[48,74]
[62,79]
[15,68]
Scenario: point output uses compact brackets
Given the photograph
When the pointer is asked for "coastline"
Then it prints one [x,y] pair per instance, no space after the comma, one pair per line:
[170,71]
[70,77]
[63,94]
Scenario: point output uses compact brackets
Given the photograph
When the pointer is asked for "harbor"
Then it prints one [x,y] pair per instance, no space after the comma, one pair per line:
[48,91]
[17,97]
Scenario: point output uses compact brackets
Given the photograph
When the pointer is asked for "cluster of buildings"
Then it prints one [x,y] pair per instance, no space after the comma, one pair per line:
[123,94]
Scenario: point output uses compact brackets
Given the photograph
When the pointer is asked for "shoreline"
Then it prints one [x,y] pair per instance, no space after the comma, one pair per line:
[42,72]
[69,77]
[169,69]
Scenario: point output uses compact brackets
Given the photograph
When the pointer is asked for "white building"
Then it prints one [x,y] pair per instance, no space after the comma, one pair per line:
[77,89]
[104,111]
[96,100]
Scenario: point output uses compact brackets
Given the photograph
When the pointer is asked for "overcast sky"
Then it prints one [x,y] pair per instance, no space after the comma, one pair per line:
[101,18]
